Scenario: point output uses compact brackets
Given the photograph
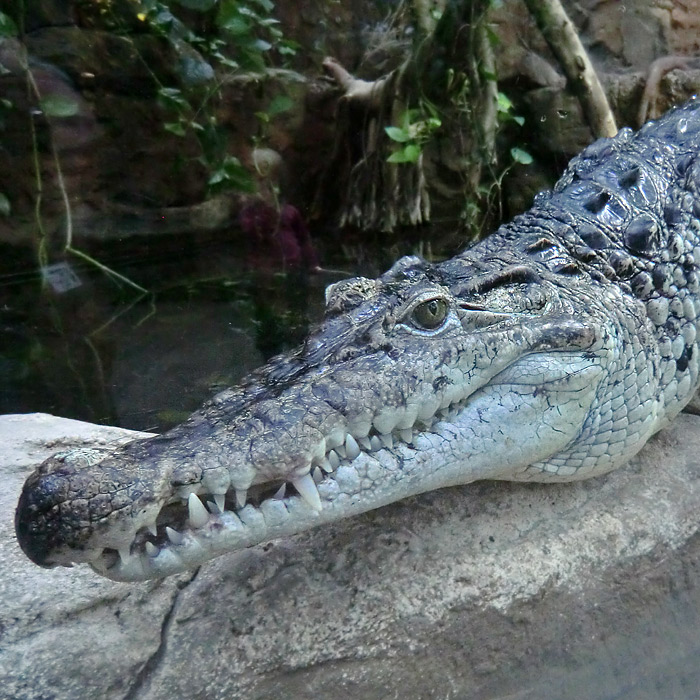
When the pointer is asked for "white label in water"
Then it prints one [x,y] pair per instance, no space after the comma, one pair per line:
[61,277]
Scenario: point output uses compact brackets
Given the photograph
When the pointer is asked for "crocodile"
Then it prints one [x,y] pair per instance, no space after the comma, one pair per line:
[550,351]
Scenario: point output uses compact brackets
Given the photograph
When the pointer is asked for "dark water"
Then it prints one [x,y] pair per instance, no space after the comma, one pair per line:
[104,352]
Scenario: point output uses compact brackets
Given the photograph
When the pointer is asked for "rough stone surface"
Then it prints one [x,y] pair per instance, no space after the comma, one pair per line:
[491,590]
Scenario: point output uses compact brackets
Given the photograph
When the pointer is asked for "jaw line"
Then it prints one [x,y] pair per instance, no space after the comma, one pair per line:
[384,474]
[464,448]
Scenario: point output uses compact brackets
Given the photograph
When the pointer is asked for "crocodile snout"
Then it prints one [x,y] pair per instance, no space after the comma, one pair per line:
[79,503]
[47,522]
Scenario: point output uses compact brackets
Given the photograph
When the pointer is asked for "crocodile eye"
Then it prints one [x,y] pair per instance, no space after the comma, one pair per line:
[430,314]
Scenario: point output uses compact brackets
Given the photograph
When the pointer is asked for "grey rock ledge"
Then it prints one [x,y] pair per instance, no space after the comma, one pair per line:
[490,590]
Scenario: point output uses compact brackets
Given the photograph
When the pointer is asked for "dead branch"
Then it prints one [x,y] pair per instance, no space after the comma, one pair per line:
[657,70]
[381,194]
[366,92]
[562,37]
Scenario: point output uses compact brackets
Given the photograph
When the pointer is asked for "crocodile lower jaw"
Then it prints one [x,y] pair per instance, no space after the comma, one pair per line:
[200,525]
[499,429]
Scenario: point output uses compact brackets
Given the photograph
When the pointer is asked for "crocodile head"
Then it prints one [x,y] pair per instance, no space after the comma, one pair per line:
[429,376]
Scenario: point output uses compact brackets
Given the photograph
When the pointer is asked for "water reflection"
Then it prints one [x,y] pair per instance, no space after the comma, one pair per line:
[101,352]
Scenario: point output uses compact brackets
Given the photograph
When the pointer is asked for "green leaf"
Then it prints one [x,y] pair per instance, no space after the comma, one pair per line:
[58,106]
[225,61]
[503,103]
[251,59]
[520,156]
[231,175]
[287,48]
[518,119]
[175,128]
[408,117]
[491,35]
[408,154]
[198,5]
[262,45]
[279,104]
[247,12]
[397,134]
[4,205]
[7,25]
[172,98]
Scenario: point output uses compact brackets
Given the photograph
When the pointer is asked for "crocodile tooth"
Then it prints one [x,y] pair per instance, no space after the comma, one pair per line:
[340,450]
[406,435]
[326,465]
[173,535]
[212,507]
[317,475]
[307,490]
[352,449]
[241,497]
[281,492]
[125,553]
[375,443]
[365,444]
[333,459]
[151,550]
[387,439]
[220,500]
[153,530]
[198,514]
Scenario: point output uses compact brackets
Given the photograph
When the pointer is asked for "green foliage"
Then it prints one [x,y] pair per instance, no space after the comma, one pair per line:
[417,126]
[231,174]
[521,156]
[506,113]
[505,110]
[410,153]
[242,36]
[8,27]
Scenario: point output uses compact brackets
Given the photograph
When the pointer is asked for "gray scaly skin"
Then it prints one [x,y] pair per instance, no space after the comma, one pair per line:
[551,351]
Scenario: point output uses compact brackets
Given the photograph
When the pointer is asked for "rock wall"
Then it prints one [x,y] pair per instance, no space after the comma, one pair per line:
[117,159]
[585,591]
[125,174]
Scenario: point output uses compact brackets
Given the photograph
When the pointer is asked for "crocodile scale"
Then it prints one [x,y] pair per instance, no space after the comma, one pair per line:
[550,351]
